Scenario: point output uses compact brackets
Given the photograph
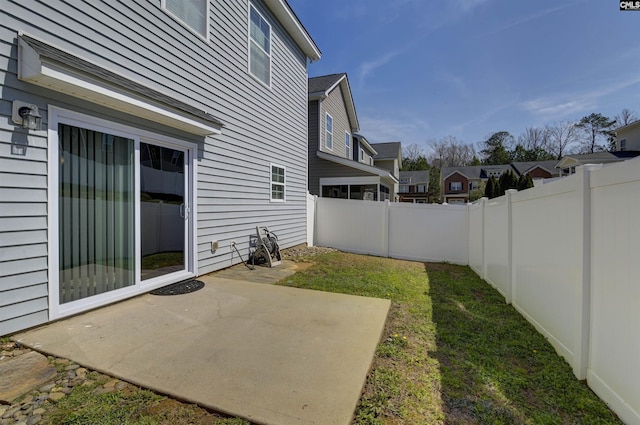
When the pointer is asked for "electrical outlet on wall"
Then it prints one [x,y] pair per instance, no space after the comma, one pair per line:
[232,244]
[214,246]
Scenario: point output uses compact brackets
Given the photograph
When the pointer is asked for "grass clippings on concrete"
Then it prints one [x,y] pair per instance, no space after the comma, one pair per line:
[453,352]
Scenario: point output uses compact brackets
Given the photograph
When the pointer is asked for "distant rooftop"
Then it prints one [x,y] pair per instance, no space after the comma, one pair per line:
[388,150]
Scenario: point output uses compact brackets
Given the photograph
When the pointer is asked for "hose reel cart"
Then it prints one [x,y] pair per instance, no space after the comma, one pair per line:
[264,248]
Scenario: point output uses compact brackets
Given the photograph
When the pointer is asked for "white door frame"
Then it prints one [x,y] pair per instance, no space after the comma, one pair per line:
[58,115]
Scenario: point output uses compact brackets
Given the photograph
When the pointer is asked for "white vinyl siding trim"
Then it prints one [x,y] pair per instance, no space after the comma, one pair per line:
[278,183]
[193,14]
[347,145]
[259,47]
[328,132]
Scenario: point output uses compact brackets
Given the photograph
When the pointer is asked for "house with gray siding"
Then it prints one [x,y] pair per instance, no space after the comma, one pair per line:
[138,140]
[341,161]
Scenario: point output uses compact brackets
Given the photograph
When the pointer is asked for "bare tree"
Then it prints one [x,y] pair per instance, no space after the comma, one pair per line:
[625,117]
[414,158]
[451,152]
[560,135]
[534,138]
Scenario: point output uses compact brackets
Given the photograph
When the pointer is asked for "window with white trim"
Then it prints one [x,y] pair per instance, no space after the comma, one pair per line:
[455,186]
[278,183]
[361,155]
[328,132]
[259,46]
[347,145]
[623,144]
[194,14]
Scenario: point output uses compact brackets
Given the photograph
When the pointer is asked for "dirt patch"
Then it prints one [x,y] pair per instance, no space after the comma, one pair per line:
[302,252]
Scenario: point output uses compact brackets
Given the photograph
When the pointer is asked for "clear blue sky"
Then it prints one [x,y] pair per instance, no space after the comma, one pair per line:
[421,69]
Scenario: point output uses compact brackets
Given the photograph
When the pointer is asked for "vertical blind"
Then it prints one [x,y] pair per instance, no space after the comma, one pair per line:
[96,212]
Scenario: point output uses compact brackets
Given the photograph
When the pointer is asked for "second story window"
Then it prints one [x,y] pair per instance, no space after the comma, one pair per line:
[259,47]
[347,145]
[422,188]
[403,188]
[361,155]
[455,186]
[194,14]
[328,132]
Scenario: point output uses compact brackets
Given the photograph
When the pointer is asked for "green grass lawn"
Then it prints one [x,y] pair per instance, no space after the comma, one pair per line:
[453,352]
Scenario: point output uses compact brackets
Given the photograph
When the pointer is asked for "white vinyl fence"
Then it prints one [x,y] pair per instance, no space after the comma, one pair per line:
[397,230]
[565,254]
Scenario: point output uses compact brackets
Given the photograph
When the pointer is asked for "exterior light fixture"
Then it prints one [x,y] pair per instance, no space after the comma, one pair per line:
[26,115]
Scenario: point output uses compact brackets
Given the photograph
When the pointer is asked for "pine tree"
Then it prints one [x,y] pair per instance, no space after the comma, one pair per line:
[492,188]
[507,180]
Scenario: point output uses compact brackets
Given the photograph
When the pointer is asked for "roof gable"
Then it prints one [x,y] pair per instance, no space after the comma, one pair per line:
[320,87]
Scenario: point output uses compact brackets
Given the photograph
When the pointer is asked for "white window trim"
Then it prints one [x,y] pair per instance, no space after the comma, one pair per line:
[205,37]
[58,115]
[361,159]
[326,131]
[347,145]
[271,183]
[249,41]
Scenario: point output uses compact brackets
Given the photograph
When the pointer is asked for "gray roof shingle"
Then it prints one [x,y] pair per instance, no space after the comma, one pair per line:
[415,177]
[324,83]
[388,150]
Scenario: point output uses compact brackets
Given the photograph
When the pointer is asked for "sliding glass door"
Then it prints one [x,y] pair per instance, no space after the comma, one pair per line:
[123,216]
[96,209]
[163,209]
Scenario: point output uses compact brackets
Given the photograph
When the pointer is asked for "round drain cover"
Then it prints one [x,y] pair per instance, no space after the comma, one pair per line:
[183,287]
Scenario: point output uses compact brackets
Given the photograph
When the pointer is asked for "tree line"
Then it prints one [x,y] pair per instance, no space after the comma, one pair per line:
[592,133]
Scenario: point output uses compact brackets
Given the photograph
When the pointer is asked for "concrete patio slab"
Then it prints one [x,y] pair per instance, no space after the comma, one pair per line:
[270,354]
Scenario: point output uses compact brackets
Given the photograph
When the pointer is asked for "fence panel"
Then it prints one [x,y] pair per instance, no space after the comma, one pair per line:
[425,232]
[476,232]
[496,242]
[614,369]
[548,262]
[352,225]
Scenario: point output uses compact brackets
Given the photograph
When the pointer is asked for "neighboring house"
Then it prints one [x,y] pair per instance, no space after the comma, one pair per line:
[458,183]
[628,137]
[389,157]
[169,130]
[341,161]
[567,165]
[414,187]
[537,169]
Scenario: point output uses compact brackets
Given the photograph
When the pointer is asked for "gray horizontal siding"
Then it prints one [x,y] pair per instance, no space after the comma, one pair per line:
[139,41]
[334,105]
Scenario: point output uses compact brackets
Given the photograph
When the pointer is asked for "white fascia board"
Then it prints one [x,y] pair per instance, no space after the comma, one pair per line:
[458,172]
[364,141]
[292,24]
[37,70]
